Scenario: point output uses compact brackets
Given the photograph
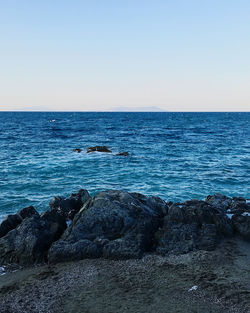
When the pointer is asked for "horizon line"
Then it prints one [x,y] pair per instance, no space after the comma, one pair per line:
[109,111]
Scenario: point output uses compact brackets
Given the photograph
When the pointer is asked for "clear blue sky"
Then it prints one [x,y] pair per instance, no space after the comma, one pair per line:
[183,55]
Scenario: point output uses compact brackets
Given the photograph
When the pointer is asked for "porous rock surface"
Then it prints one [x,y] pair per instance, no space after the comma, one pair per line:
[29,242]
[68,207]
[192,225]
[115,224]
[119,225]
[236,208]
[99,149]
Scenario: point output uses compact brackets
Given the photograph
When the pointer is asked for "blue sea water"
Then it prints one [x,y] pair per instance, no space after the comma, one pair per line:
[177,156]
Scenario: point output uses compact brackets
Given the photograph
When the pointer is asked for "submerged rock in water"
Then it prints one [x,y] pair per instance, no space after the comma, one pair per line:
[99,149]
[77,150]
[122,154]
[192,225]
[68,207]
[115,224]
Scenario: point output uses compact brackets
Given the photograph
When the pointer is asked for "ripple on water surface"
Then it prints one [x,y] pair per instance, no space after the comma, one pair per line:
[177,156]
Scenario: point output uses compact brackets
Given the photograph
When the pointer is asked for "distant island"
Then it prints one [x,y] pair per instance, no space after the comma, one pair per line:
[115,109]
[137,109]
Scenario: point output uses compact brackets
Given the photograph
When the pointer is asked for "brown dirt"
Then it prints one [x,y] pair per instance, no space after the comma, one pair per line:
[153,284]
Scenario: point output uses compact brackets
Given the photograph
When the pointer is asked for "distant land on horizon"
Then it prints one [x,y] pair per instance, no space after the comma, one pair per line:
[137,109]
[115,109]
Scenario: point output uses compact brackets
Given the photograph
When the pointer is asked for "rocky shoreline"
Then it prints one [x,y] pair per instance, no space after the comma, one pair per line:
[120,225]
[203,244]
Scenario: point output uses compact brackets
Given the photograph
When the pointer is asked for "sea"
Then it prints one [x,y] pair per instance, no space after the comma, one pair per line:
[176,156]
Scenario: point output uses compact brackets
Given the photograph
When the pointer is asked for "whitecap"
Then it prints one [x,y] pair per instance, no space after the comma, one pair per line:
[193,288]
[245,214]
[2,270]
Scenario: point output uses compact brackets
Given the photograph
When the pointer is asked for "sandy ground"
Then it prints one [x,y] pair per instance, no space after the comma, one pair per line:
[153,284]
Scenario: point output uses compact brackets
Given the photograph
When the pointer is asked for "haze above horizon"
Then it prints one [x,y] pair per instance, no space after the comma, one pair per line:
[104,56]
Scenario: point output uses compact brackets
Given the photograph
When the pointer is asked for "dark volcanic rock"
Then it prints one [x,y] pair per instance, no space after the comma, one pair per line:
[239,205]
[68,207]
[241,223]
[30,241]
[192,225]
[63,251]
[236,205]
[27,212]
[77,150]
[11,222]
[116,224]
[99,149]
[56,221]
[219,201]
[122,154]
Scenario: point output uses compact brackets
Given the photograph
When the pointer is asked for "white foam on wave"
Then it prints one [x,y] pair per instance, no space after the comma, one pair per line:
[2,270]
[68,223]
[193,288]
[245,214]
[230,216]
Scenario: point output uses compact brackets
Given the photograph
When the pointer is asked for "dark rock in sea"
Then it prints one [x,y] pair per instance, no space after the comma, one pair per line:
[241,223]
[192,225]
[68,207]
[116,224]
[27,212]
[122,154]
[11,222]
[99,149]
[77,150]
[30,241]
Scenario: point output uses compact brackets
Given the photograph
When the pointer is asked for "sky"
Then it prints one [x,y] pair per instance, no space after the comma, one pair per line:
[95,55]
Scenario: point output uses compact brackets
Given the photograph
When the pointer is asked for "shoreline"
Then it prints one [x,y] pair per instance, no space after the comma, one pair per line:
[126,252]
[151,284]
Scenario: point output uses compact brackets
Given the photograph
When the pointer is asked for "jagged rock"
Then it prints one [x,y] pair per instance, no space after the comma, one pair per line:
[219,201]
[11,222]
[122,154]
[56,221]
[120,225]
[77,150]
[235,205]
[239,205]
[241,223]
[64,251]
[68,207]
[30,241]
[116,224]
[99,149]
[27,212]
[192,225]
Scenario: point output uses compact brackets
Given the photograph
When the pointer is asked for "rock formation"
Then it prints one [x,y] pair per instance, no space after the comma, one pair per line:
[119,225]
[99,149]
